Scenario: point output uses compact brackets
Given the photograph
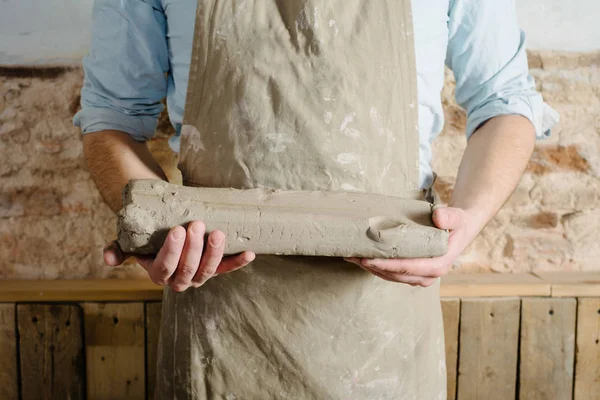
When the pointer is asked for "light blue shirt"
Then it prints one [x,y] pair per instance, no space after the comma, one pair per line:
[141,51]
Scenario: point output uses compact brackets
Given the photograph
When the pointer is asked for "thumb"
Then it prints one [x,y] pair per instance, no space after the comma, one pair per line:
[113,255]
[448,217]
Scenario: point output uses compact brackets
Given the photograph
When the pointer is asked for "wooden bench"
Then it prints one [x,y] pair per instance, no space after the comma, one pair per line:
[527,336]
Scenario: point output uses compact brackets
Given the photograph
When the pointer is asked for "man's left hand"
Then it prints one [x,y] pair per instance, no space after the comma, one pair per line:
[424,271]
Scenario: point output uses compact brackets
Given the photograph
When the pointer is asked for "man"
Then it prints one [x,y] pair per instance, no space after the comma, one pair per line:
[334,84]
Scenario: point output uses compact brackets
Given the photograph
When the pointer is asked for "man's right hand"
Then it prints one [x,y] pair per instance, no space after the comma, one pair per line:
[184,260]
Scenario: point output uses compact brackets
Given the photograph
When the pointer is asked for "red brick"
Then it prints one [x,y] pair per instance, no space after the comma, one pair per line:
[541,220]
[49,146]
[552,158]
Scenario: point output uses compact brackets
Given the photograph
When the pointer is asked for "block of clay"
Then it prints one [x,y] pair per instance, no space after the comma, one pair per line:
[304,223]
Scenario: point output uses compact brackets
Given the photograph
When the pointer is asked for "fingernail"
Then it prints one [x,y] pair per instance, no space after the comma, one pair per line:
[250,257]
[177,235]
[216,241]
[367,263]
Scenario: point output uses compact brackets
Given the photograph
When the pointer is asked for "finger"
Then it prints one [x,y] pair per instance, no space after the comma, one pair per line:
[145,261]
[190,257]
[401,266]
[229,264]
[430,267]
[168,256]
[448,217]
[213,254]
[113,255]
[385,276]
[407,279]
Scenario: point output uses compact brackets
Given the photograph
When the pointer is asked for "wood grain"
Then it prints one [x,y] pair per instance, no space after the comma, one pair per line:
[493,285]
[451,314]
[115,346]
[572,284]
[9,388]
[153,318]
[547,348]
[51,351]
[79,290]
[489,337]
[587,358]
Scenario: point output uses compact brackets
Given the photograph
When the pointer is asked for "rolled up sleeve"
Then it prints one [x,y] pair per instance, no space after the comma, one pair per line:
[486,52]
[125,69]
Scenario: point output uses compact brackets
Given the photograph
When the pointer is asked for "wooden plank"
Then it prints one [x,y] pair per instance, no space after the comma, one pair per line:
[581,277]
[153,318]
[489,337]
[79,290]
[51,351]
[9,388]
[547,348]
[114,342]
[566,290]
[587,359]
[451,314]
[493,285]
[572,284]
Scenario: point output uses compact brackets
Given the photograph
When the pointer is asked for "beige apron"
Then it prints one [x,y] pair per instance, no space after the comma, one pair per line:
[314,95]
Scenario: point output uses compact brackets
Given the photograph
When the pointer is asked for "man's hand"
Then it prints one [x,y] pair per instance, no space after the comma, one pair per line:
[495,158]
[184,260]
[424,271]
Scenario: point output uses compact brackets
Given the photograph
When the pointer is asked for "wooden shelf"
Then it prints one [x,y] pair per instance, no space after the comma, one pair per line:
[494,285]
[79,290]
[549,284]
[572,284]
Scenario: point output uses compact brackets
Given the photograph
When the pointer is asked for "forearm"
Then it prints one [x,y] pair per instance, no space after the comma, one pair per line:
[491,167]
[495,158]
[114,158]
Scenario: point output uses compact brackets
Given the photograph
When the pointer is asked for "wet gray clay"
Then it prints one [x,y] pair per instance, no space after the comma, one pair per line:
[282,222]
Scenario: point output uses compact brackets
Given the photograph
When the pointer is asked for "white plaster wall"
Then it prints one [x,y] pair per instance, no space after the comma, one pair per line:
[44,31]
[58,31]
[569,25]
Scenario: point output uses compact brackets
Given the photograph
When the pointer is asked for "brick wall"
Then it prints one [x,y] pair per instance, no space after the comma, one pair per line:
[54,224]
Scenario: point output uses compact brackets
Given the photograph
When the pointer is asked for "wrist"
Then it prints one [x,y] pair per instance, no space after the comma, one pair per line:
[476,218]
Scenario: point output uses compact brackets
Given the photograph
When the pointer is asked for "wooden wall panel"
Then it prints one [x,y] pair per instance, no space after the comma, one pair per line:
[489,339]
[451,314]
[115,346]
[153,317]
[547,348]
[9,388]
[51,351]
[587,358]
